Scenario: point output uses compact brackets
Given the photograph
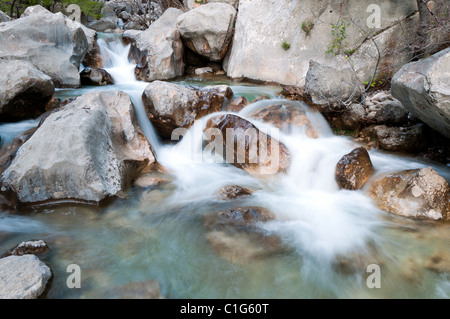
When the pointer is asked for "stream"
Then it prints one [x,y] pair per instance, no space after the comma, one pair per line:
[158,232]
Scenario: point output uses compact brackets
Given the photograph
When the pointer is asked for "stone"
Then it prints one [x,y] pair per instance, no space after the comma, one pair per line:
[231,192]
[285,116]
[204,71]
[330,88]
[23,277]
[418,193]
[256,58]
[48,41]
[93,149]
[24,90]
[237,104]
[93,76]
[208,29]
[170,106]
[391,113]
[354,169]
[159,49]
[422,87]
[408,139]
[245,147]
[31,247]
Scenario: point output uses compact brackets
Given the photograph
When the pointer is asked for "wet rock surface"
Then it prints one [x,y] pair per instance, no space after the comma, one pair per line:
[354,169]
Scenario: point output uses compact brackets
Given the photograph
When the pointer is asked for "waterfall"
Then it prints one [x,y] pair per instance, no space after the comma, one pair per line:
[116,62]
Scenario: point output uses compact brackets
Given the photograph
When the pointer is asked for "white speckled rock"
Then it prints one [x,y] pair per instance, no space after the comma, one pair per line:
[23,277]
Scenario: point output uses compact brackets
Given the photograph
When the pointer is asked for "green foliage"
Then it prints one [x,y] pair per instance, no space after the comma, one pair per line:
[285,45]
[339,32]
[88,7]
[307,26]
[15,8]
[374,83]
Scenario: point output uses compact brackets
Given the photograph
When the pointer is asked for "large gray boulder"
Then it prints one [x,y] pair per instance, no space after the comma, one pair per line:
[234,3]
[24,90]
[263,58]
[23,277]
[48,42]
[88,150]
[170,106]
[160,48]
[208,29]
[331,88]
[423,87]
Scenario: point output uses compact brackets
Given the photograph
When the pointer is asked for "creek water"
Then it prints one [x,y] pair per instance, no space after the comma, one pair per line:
[328,236]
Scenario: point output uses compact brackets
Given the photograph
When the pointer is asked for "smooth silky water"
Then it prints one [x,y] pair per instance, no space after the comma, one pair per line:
[157,233]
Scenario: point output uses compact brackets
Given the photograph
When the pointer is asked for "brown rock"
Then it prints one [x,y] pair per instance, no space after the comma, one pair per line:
[237,104]
[148,289]
[439,262]
[282,116]
[237,217]
[33,247]
[230,192]
[246,147]
[354,169]
[418,193]
[291,92]
[92,76]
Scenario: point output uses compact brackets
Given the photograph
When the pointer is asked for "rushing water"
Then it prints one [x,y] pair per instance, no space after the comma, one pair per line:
[158,232]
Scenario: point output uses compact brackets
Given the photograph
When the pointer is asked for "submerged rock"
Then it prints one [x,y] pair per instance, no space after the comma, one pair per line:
[170,106]
[246,147]
[237,104]
[439,262]
[283,116]
[23,277]
[24,90]
[48,41]
[208,29]
[90,149]
[418,193]
[354,169]
[95,77]
[423,88]
[231,192]
[148,289]
[234,234]
[32,247]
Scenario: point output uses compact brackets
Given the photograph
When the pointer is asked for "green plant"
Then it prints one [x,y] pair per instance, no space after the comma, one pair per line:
[339,33]
[307,26]
[16,7]
[285,45]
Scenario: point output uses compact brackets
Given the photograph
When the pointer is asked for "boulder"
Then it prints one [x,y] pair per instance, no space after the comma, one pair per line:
[24,90]
[32,247]
[330,88]
[170,106]
[48,41]
[87,150]
[234,3]
[284,116]
[23,277]
[208,29]
[281,21]
[159,48]
[354,169]
[409,139]
[204,71]
[93,57]
[231,192]
[93,76]
[243,145]
[423,88]
[417,193]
